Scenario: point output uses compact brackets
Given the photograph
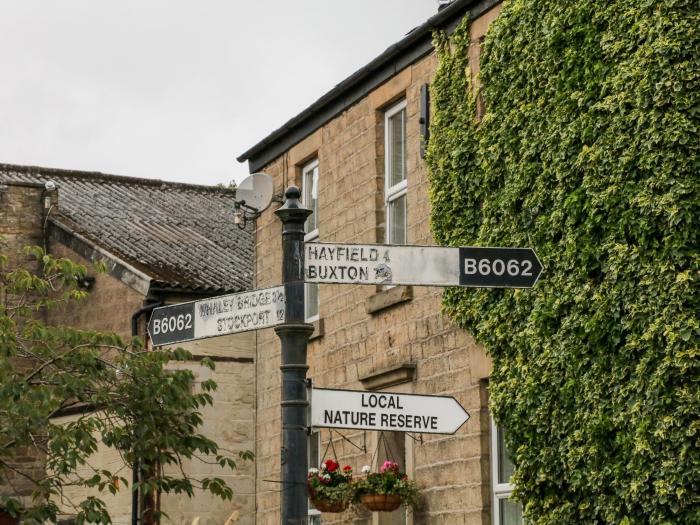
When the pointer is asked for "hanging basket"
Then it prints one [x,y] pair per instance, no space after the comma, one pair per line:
[6,519]
[381,502]
[326,505]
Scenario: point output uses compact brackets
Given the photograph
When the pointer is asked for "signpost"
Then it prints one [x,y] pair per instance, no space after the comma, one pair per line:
[226,314]
[479,267]
[283,308]
[386,411]
[294,336]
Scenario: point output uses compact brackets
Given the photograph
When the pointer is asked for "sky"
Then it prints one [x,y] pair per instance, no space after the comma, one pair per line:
[175,89]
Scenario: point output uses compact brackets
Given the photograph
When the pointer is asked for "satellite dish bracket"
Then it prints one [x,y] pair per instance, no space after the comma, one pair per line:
[244,213]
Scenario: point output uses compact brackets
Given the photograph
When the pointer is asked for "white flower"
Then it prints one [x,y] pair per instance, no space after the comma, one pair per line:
[366,469]
[326,476]
[313,471]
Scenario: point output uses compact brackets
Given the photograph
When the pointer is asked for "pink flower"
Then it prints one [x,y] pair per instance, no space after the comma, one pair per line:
[388,465]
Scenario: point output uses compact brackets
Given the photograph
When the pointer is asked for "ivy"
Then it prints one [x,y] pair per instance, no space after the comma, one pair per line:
[588,153]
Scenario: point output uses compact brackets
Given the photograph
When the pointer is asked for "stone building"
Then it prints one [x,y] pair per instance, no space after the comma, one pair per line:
[357,156]
[162,242]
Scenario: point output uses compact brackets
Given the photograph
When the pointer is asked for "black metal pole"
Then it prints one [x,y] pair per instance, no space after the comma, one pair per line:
[294,334]
[148,308]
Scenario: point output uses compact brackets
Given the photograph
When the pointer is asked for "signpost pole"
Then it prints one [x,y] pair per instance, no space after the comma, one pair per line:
[294,335]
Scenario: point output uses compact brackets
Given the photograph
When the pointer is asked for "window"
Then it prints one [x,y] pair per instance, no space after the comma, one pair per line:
[506,511]
[395,173]
[309,174]
[314,462]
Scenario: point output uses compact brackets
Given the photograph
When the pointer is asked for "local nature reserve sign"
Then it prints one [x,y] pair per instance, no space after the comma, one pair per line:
[421,265]
[386,411]
[226,314]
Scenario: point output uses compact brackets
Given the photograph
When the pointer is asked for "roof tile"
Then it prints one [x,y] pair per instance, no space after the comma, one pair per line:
[182,235]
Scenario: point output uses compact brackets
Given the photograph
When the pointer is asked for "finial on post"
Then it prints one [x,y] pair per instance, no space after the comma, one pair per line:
[292,193]
[292,211]
[292,196]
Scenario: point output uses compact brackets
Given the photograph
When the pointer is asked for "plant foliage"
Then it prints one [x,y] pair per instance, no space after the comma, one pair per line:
[388,481]
[330,483]
[588,153]
[130,400]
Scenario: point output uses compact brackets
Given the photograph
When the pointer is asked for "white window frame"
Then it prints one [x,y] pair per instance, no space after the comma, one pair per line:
[499,491]
[311,236]
[314,514]
[391,193]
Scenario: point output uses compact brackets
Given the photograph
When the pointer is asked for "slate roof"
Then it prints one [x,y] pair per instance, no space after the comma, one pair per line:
[181,235]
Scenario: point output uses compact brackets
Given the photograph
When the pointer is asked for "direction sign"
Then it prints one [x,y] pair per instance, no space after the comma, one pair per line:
[470,266]
[226,314]
[386,411]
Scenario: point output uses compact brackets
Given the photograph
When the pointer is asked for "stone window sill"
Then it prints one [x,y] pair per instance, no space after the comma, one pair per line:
[388,298]
[319,329]
[386,377]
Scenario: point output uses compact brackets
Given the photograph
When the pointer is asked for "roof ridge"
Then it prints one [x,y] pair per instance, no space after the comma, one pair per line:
[41,170]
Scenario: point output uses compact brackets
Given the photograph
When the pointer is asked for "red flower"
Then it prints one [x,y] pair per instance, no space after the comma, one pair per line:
[347,468]
[331,466]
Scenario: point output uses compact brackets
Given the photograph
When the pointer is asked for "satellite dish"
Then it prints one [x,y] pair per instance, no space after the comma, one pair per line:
[255,191]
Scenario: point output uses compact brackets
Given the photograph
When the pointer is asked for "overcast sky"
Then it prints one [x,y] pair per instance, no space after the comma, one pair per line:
[175,89]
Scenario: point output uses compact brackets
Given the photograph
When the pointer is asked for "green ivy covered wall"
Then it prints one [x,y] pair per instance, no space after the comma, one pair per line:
[588,153]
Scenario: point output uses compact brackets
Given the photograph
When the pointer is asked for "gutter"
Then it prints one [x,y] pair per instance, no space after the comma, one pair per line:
[117,267]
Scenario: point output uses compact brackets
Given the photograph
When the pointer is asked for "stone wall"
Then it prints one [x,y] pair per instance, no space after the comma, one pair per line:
[108,306]
[231,423]
[21,221]
[119,504]
[405,344]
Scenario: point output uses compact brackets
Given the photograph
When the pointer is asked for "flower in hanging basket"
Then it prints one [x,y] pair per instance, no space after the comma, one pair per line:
[385,490]
[330,487]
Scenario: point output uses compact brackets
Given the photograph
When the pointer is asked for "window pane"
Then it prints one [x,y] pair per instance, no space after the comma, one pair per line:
[505,465]
[310,197]
[510,512]
[314,450]
[397,221]
[397,146]
[311,303]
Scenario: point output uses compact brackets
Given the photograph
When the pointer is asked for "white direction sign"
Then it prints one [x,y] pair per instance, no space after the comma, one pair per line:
[386,411]
[226,314]
[471,266]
